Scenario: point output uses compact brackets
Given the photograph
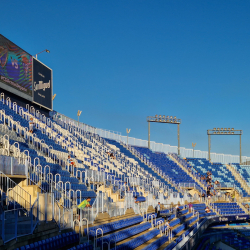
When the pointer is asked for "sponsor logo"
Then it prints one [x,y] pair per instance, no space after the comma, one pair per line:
[41,85]
[223,219]
[240,218]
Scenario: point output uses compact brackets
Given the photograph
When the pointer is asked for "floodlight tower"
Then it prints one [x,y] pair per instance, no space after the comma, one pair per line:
[128,131]
[78,114]
[222,131]
[193,145]
[165,119]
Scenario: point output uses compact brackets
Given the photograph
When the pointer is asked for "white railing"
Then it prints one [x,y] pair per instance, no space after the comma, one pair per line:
[154,146]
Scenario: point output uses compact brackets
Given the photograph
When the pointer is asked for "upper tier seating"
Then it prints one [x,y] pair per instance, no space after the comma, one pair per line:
[219,172]
[169,167]
[142,164]
[244,171]
[49,146]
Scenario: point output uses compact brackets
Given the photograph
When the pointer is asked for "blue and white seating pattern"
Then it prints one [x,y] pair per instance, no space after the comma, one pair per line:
[219,172]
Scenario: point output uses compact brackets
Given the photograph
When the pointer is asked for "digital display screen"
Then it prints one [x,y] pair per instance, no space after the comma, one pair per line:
[15,67]
[42,84]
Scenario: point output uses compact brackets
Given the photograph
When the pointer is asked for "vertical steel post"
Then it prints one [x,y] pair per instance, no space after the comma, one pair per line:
[37,209]
[16,222]
[3,226]
[149,135]
[45,205]
[53,205]
[209,147]
[31,219]
[240,148]
[178,135]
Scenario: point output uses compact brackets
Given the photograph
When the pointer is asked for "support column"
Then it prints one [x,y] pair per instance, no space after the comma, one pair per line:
[178,135]
[149,135]
[209,147]
[240,150]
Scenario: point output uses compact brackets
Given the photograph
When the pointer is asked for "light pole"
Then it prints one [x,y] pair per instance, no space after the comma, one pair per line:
[78,114]
[128,131]
[222,131]
[46,50]
[165,119]
[193,145]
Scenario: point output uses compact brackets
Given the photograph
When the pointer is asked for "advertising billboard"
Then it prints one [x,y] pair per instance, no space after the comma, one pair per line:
[15,69]
[42,84]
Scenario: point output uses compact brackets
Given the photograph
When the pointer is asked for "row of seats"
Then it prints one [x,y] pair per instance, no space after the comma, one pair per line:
[124,234]
[84,246]
[166,165]
[112,226]
[53,243]
[219,172]
[134,243]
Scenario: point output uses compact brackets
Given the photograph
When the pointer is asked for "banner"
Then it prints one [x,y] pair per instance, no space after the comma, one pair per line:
[15,68]
[42,84]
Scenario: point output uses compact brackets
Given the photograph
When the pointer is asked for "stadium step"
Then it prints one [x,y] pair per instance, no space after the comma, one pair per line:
[162,247]
[148,242]
[105,218]
[134,236]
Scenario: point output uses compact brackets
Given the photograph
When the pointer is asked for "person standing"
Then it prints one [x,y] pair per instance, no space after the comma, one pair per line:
[31,125]
[218,194]
[177,210]
[190,205]
[158,209]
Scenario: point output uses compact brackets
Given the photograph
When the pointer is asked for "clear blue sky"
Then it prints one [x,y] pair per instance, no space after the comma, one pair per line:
[120,61]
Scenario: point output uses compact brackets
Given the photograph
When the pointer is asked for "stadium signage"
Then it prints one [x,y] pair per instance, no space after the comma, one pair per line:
[240,218]
[231,218]
[223,219]
[42,84]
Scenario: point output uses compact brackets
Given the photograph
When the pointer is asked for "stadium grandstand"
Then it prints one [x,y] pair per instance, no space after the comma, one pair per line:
[68,185]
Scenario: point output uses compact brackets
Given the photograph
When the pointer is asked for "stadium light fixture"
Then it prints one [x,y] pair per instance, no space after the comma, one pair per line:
[78,114]
[164,119]
[193,145]
[46,50]
[128,131]
[222,131]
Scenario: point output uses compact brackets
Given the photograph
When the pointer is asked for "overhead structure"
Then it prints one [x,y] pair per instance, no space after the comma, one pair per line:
[164,119]
[222,131]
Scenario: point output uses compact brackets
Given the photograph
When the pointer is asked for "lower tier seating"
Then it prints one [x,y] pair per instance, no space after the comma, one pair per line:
[57,242]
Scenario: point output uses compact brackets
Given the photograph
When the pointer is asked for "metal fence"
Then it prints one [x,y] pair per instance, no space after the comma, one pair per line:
[154,146]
